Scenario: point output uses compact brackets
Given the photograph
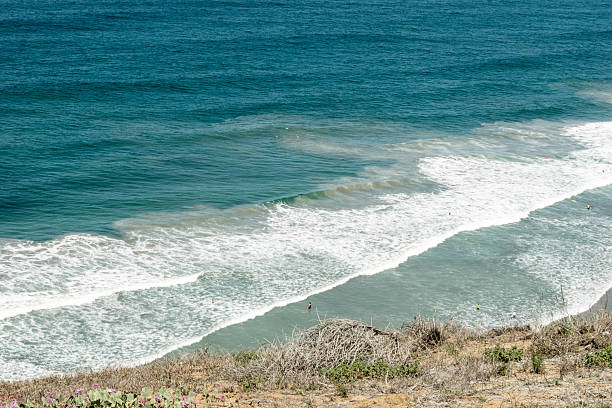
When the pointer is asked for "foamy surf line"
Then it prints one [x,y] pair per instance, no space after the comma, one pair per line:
[381,268]
[77,300]
[580,308]
[593,184]
[280,243]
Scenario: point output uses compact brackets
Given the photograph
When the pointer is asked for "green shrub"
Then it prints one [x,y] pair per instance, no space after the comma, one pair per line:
[341,389]
[250,384]
[536,363]
[344,373]
[504,355]
[601,357]
[566,329]
[502,369]
[102,398]
[243,357]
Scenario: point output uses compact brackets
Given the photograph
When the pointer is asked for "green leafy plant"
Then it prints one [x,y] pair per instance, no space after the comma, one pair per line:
[536,363]
[504,355]
[111,398]
[250,384]
[341,389]
[566,329]
[344,373]
[600,357]
[502,369]
[243,357]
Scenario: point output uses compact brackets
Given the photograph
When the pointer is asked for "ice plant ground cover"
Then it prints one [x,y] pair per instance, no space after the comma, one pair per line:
[110,397]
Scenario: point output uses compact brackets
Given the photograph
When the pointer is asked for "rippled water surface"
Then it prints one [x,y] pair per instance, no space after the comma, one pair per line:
[380,159]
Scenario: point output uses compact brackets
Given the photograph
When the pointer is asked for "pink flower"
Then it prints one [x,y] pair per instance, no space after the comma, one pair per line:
[13,403]
[111,390]
[96,385]
[62,404]
[50,400]
[79,390]
[222,397]
[157,399]
[86,399]
[185,403]
[48,394]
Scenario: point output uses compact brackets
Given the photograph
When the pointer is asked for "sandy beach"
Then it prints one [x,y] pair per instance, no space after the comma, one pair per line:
[604,303]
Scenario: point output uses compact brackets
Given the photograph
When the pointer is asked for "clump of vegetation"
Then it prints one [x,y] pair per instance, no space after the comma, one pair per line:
[302,360]
[501,357]
[426,333]
[573,335]
[359,369]
[504,355]
[250,384]
[599,358]
[537,363]
[244,356]
[110,397]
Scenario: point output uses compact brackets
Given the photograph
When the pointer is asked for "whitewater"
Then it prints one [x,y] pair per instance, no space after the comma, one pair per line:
[151,290]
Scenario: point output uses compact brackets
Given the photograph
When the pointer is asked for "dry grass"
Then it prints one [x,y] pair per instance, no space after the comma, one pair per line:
[572,335]
[186,373]
[451,364]
[301,360]
[426,333]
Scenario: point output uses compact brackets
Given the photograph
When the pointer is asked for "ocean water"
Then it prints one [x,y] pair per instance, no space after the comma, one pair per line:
[186,175]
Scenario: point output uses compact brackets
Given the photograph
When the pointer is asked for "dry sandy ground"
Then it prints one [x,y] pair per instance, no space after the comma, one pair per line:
[558,386]
[514,391]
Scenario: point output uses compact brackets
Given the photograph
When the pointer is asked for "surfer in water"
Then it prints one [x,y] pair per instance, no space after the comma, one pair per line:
[309,306]
[588,206]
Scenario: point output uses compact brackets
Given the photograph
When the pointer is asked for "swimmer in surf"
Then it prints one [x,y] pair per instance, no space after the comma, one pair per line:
[309,306]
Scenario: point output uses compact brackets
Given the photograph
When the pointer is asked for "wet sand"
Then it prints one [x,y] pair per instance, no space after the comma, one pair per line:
[604,303]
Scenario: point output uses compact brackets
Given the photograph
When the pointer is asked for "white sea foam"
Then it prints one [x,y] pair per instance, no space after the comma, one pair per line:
[253,259]
[78,269]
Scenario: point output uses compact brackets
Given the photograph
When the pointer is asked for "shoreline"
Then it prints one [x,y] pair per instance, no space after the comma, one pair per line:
[603,304]
[427,364]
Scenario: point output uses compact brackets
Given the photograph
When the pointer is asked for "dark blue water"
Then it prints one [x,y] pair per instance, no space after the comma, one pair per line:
[108,108]
[265,151]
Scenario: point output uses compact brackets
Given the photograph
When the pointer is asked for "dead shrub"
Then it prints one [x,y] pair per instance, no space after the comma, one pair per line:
[302,359]
[426,333]
[573,335]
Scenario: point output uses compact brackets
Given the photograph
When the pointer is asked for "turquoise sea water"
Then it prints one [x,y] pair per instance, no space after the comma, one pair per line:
[378,158]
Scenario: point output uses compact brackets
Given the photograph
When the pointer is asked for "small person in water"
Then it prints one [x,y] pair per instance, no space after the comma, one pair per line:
[309,306]
[514,315]
[588,206]
[477,306]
